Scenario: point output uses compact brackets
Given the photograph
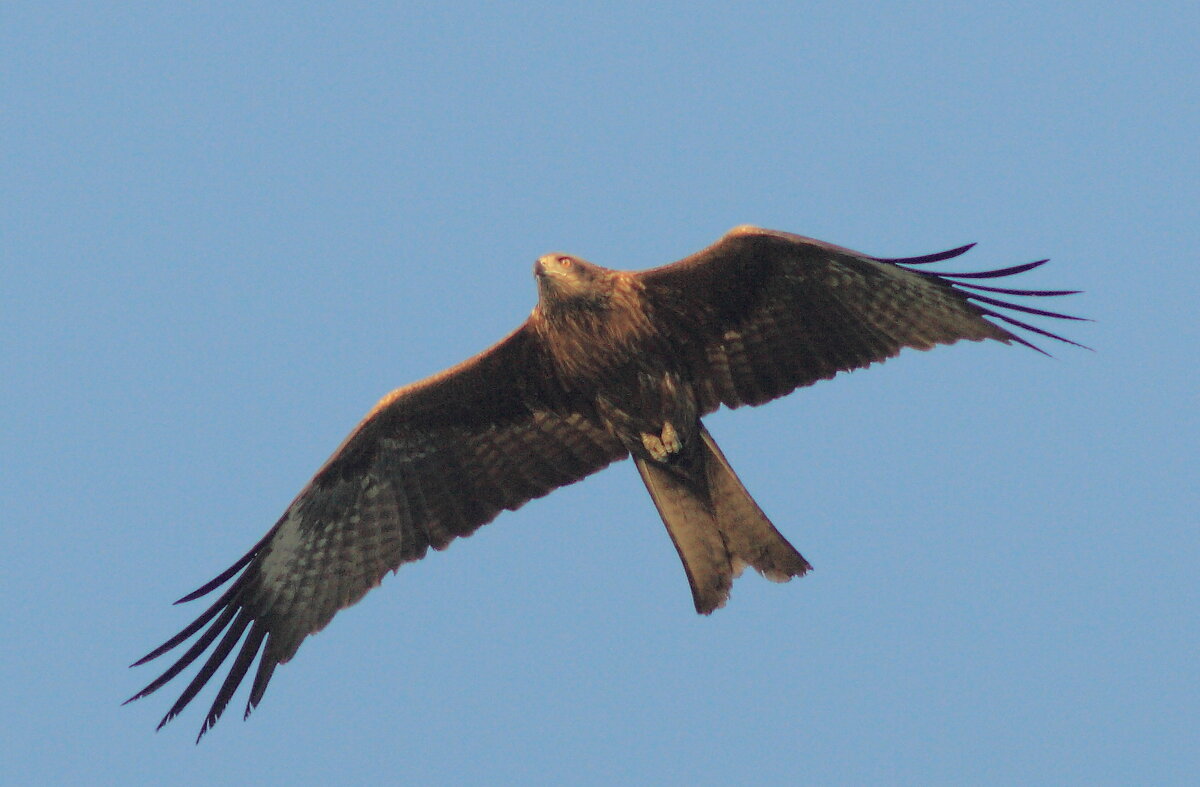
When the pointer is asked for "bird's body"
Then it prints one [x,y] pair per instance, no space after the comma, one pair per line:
[610,364]
[639,386]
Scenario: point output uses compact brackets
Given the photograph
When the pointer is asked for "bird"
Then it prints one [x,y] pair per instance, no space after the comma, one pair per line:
[609,365]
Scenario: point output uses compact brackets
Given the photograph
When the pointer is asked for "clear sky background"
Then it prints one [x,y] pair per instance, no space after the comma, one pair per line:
[229,228]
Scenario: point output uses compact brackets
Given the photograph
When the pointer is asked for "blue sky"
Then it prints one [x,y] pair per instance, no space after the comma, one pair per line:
[230,228]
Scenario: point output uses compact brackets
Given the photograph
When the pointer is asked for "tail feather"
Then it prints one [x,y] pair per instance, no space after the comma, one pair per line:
[748,532]
[716,526]
[693,528]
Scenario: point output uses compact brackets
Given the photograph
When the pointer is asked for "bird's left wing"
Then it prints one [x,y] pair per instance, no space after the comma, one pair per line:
[432,461]
[761,312]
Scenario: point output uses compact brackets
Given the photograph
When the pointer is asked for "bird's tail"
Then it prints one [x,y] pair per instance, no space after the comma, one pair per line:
[716,526]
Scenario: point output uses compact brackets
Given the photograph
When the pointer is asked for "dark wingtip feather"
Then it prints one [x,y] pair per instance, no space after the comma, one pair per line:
[228,573]
[1026,309]
[1009,271]
[1034,328]
[1029,344]
[1011,291]
[926,258]
[266,668]
[237,671]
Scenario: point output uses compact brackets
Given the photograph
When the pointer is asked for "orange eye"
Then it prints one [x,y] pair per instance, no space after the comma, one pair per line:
[564,261]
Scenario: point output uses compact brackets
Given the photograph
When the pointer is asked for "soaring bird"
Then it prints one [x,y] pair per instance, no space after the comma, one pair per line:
[610,364]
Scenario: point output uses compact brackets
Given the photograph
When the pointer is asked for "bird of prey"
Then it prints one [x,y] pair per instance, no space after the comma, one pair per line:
[610,364]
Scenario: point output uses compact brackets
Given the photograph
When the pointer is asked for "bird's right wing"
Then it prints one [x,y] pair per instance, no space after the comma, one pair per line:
[431,462]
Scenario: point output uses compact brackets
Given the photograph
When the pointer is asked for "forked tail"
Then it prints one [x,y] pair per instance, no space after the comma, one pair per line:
[716,526]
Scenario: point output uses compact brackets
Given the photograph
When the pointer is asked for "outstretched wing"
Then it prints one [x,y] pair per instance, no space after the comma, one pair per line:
[432,461]
[761,313]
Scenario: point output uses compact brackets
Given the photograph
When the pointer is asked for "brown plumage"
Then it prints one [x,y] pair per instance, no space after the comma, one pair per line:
[610,364]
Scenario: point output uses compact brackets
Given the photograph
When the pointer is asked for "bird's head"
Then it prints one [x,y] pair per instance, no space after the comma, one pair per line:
[562,278]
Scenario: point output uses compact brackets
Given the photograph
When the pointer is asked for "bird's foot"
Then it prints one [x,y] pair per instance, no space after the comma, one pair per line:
[662,447]
[670,439]
[653,444]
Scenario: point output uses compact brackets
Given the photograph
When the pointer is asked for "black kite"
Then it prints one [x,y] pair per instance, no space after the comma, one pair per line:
[610,364]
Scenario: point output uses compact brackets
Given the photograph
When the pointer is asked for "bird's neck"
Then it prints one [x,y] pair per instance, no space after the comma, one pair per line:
[588,335]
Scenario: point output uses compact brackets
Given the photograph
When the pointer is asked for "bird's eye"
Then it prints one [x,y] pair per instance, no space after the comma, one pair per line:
[564,261]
